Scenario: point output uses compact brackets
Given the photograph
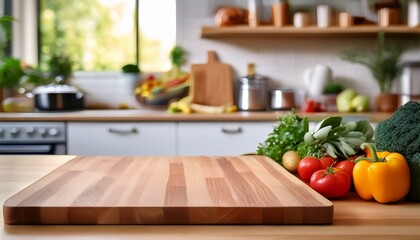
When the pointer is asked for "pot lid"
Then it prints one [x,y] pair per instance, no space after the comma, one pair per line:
[57,87]
[253,79]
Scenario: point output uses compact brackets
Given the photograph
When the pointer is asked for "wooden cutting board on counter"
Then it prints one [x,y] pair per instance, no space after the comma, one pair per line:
[212,83]
[168,190]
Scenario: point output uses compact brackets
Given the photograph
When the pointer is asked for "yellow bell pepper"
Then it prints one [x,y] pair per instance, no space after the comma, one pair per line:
[383,176]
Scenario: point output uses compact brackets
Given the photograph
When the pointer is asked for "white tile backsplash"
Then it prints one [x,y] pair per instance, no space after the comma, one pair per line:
[106,90]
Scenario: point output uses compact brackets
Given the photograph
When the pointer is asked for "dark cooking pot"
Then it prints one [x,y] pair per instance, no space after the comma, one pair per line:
[55,97]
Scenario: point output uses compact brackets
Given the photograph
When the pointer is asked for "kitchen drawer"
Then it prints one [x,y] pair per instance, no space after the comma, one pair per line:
[121,138]
[221,138]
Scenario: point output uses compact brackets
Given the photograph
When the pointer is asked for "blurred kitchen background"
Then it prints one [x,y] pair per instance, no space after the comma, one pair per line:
[100,36]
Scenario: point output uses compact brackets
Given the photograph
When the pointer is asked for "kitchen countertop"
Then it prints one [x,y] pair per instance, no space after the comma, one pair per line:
[163,116]
[353,218]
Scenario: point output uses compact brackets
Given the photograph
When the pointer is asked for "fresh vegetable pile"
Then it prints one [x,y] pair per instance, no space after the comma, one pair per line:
[330,137]
[337,154]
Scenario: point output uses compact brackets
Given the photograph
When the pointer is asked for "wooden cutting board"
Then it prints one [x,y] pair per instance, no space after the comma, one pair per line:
[212,82]
[168,190]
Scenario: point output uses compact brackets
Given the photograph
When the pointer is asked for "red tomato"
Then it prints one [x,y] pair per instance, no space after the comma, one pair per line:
[310,105]
[307,166]
[328,161]
[347,166]
[331,182]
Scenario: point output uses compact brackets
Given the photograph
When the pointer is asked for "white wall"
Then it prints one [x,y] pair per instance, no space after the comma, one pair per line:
[283,60]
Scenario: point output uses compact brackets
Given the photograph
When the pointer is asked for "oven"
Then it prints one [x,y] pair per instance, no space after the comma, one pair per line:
[32,138]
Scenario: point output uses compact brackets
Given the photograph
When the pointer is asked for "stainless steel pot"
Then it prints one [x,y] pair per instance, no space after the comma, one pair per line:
[410,82]
[56,97]
[252,92]
[282,99]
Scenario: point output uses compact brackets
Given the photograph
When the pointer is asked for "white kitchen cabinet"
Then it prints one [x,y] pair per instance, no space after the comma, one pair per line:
[221,138]
[121,138]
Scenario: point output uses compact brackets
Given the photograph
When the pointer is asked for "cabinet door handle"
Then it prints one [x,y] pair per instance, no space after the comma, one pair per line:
[123,132]
[232,131]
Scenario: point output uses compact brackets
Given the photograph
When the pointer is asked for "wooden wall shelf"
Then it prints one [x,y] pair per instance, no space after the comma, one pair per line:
[314,31]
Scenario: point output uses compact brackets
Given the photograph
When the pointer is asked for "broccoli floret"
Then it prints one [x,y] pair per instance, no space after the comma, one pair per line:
[414,164]
[401,132]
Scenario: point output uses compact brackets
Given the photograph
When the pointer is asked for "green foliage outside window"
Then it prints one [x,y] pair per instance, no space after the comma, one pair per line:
[86,30]
[99,35]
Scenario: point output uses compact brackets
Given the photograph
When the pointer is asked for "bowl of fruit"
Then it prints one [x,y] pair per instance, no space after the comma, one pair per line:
[157,93]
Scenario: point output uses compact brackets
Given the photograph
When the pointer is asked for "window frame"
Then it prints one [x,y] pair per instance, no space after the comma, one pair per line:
[7,10]
[23,43]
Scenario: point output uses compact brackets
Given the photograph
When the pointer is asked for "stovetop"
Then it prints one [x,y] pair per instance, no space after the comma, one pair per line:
[32,132]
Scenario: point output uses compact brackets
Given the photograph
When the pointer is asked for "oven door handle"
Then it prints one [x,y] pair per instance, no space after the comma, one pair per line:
[25,149]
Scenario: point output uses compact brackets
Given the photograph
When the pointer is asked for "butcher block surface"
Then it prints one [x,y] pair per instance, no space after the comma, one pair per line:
[168,190]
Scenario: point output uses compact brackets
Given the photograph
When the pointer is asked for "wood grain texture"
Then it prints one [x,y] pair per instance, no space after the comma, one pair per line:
[307,32]
[212,82]
[168,190]
[354,218]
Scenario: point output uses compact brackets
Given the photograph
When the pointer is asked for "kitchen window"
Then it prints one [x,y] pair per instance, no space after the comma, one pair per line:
[99,35]
[104,35]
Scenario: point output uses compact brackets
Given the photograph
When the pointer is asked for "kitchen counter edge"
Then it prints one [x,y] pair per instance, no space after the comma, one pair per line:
[162,116]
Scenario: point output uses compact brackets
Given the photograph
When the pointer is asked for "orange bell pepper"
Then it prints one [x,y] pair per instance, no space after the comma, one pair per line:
[383,176]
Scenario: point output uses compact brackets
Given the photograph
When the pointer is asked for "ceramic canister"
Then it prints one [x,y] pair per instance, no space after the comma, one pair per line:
[301,19]
[316,78]
[324,16]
